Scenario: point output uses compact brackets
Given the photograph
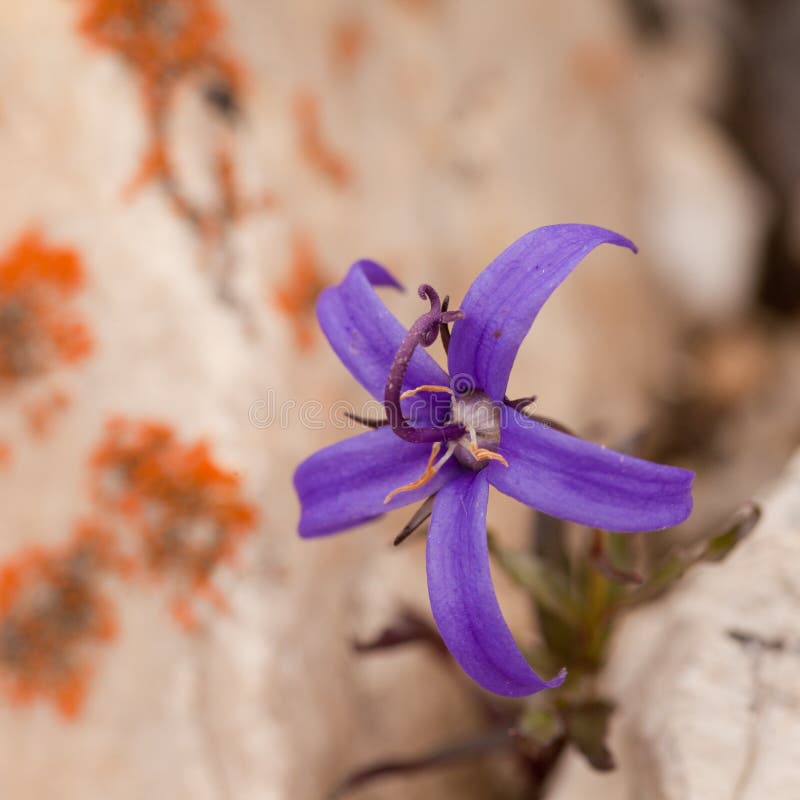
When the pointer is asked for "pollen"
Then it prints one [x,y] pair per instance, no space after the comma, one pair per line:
[481,454]
[428,387]
[480,418]
[431,469]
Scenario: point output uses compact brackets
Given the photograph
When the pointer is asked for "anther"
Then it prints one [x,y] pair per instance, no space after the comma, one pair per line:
[428,387]
[423,479]
[481,454]
[431,469]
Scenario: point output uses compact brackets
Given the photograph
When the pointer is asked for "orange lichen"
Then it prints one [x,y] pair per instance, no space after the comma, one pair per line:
[297,297]
[41,413]
[164,41]
[599,66]
[169,45]
[348,40]
[186,511]
[53,615]
[5,455]
[154,35]
[312,144]
[154,166]
[167,42]
[232,207]
[38,329]
[419,6]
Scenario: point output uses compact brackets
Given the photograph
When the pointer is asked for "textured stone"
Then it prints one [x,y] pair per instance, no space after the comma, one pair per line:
[463,128]
[706,679]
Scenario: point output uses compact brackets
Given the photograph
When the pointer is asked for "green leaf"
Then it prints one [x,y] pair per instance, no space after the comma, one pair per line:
[715,549]
[531,574]
[542,726]
[739,527]
[587,728]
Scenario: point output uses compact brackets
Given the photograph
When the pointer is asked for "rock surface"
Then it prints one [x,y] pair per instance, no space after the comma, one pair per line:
[706,679]
[461,128]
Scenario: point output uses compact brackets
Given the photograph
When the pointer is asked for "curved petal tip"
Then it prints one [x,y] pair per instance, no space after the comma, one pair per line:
[365,334]
[558,680]
[462,597]
[376,273]
[506,297]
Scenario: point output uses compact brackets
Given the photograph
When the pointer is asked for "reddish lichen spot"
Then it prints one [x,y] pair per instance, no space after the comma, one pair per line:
[420,6]
[312,144]
[168,42]
[599,66]
[38,327]
[53,615]
[41,413]
[163,40]
[297,297]
[186,512]
[154,166]
[5,455]
[348,40]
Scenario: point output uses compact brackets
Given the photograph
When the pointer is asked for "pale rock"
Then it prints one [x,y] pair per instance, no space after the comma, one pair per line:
[703,209]
[704,213]
[706,678]
[464,128]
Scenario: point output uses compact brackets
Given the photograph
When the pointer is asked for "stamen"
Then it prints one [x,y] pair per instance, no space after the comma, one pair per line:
[480,453]
[428,387]
[451,448]
[487,455]
[431,469]
[423,479]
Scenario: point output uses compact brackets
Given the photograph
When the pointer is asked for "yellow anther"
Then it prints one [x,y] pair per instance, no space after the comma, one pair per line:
[425,388]
[486,455]
[430,471]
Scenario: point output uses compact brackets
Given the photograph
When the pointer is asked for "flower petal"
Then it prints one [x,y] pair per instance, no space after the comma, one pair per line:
[567,477]
[345,484]
[462,597]
[505,298]
[366,335]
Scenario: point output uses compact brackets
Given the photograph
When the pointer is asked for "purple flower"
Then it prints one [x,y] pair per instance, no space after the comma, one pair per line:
[480,439]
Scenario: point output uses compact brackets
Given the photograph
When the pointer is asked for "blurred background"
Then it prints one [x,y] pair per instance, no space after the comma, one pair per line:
[179,180]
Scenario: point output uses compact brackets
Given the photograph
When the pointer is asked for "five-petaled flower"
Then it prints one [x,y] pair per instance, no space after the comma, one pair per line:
[483,439]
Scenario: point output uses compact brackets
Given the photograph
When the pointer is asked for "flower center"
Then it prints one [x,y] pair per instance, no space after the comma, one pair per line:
[479,416]
[472,433]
